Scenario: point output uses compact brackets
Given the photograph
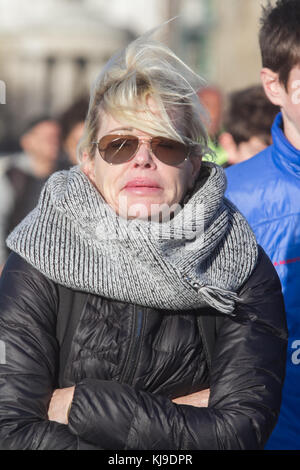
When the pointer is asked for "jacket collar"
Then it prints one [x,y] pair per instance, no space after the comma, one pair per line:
[285,154]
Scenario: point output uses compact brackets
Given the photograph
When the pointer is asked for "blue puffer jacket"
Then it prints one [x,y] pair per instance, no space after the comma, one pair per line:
[266,189]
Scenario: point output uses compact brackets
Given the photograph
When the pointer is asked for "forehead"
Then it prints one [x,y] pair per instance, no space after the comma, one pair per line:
[143,124]
[109,124]
[45,126]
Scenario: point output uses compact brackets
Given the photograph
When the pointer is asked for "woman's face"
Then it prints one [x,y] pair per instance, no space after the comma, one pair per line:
[138,187]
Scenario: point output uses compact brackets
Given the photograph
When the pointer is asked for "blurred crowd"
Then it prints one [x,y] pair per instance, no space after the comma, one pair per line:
[47,144]
[239,125]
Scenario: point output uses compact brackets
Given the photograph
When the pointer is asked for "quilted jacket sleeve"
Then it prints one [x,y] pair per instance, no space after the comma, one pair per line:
[247,374]
[28,361]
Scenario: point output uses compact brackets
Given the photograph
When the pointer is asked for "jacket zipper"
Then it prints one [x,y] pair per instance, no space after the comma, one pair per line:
[134,347]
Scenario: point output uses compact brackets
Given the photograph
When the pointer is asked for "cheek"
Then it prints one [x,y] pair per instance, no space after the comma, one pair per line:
[292,111]
[180,182]
[107,179]
[102,180]
[93,171]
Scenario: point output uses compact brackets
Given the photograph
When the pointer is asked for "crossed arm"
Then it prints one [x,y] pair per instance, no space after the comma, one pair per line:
[61,401]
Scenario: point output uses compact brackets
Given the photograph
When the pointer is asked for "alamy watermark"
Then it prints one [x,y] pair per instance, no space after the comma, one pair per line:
[296,353]
[160,222]
[2,92]
[2,352]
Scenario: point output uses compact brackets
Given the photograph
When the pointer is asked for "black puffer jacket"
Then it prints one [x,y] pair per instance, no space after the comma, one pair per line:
[128,362]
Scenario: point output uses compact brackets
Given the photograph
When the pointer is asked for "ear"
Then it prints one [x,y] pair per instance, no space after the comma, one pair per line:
[88,166]
[272,86]
[196,165]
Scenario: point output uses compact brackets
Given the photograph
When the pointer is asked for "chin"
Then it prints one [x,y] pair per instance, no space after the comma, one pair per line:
[144,210]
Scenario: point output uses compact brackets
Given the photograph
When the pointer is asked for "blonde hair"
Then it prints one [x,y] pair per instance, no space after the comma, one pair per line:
[147,68]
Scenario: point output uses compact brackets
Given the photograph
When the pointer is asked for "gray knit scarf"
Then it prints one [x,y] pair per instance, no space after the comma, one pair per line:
[199,257]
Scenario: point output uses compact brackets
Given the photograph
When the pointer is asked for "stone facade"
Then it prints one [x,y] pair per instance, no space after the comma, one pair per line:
[51,51]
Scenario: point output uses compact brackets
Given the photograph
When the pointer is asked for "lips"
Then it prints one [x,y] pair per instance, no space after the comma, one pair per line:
[141,187]
[142,183]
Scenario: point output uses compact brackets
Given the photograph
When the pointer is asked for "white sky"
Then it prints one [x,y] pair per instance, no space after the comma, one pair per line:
[140,14]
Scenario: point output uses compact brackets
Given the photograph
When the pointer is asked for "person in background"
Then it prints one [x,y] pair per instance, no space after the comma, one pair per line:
[121,276]
[212,100]
[22,175]
[266,189]
[248,121]
[72,126]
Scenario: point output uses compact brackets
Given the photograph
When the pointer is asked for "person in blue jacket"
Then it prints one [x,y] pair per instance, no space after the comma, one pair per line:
[266,189]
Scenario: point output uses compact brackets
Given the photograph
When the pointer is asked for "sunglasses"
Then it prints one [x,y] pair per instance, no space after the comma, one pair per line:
[116,149]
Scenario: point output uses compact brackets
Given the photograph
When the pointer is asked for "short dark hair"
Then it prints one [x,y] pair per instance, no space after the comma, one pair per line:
[73,115]
[279,37]
[250,113]
[30,125]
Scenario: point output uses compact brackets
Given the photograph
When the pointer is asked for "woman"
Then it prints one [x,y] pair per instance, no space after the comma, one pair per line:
[103,300]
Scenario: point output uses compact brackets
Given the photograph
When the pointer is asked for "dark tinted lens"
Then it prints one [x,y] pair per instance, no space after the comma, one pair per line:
[169,151]
[117,149]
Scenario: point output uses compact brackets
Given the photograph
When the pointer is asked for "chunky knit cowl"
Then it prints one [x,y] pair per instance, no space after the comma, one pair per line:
[200,257]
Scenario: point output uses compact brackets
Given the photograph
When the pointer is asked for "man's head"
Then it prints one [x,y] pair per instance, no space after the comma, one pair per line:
[72,127]
[248,120]
[279,38]
[41,139]
[280,49]
[212,100]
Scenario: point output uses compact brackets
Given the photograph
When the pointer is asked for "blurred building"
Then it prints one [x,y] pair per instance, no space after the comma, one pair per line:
[52,50]
[232,45]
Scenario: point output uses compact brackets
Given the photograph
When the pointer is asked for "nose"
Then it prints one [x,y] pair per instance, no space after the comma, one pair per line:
[143,156]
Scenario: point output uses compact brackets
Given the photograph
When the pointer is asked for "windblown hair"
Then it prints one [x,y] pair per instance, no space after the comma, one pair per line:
[279,37]
[146,68]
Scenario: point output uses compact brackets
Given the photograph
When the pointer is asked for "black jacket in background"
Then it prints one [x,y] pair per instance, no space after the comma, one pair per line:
[128,362]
